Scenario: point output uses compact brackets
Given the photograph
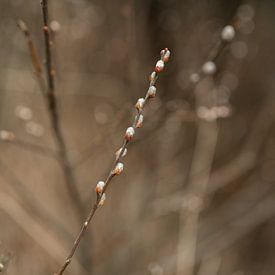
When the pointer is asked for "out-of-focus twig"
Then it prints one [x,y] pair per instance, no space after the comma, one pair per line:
[9,137]
[53,111]
[248,156]
[48,91]
[34,230]
[32,203]
[33,51]
[206,140]
[189,214]
[55,119]
[35,58]
[117,167]
[49,94]
[210,266]
[235,230]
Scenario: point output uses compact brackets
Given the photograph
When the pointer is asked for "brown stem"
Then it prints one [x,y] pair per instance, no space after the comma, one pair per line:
[33,51]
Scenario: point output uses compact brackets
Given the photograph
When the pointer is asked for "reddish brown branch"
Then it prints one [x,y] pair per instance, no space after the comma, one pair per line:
[33,51]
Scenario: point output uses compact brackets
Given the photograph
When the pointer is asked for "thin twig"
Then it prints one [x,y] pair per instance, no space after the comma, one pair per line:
[35,58]
[33,51]
[55,122]
[203,158]
[118,166]
[49,95]
[31,147]
[55,119]
[48,92]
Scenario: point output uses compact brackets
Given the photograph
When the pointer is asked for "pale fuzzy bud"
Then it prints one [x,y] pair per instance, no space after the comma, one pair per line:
[140,103]
[129,133]
[22,25]
[99,187]
[153,76]
[162,52]
[194,78]
[1,267]
[140,121]
[152,91]
[159,66]
[34,129]
[209,68]
[23,112]
[228,33]
[118,169]
[102,199]
[55,26]
[166,56]
[119,151]
[7,135]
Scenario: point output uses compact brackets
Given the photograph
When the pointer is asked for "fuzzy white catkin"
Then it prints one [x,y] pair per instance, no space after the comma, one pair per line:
[140,121]
[140,103]
[152,91]
[129,133]
[209,68]
[99,187]
[119,151]
[228,33]
[118,169]
[159,66]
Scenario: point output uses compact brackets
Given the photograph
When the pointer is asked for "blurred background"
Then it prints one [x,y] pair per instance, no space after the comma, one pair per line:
[197,192]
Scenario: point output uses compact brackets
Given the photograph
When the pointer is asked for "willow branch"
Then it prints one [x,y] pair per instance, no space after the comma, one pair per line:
[117,167]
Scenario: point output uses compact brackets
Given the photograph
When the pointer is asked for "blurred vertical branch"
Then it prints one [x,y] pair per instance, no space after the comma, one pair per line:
[71,182]
[189,216]
[205,147]
[55,119]
[35,58]
[49,94]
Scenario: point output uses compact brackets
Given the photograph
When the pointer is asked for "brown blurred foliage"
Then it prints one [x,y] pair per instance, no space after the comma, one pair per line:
[197,193]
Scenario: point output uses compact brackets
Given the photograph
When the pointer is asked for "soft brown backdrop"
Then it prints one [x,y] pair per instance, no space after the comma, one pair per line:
[104,53]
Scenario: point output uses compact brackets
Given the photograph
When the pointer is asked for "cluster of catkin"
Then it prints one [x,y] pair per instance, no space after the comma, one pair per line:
[130,131]
[209,67]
